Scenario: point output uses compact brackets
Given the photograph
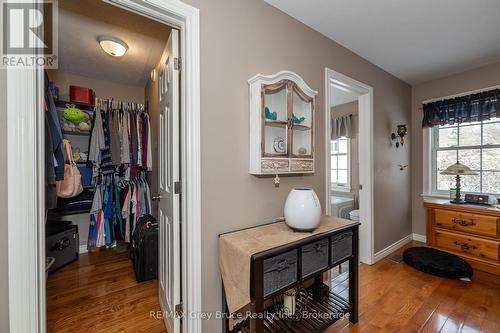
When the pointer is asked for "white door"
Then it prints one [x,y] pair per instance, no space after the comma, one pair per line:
[169,234]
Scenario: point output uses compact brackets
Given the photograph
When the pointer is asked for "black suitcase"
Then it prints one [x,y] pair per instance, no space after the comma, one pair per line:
[144,249]
[61,243]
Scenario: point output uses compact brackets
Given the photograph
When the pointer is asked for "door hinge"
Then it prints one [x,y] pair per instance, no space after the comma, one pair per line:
[178,63]
[179,311]
[178,187]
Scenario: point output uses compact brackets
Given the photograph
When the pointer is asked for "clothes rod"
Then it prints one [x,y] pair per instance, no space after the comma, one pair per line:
[460,94]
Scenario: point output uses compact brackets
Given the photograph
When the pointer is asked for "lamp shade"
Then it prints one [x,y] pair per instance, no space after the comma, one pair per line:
[458,169]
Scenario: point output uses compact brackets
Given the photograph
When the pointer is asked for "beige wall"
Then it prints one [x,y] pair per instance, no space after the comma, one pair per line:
[343,110]
[240,38]
[4,282]
[102,89]
[479,78]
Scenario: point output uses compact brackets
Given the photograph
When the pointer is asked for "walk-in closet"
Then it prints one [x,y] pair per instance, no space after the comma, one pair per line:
[108,150]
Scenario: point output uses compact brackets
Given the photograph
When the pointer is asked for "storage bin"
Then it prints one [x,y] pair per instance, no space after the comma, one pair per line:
[81,95]
[86,173]
[280,272]
[314,257]
[79,204]
[61,243]
[341,246]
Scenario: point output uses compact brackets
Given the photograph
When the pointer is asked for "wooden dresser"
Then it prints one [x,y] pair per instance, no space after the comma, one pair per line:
[470,231]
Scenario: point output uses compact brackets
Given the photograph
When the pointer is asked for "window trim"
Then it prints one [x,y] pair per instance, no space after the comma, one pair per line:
[336,187]
[432,149]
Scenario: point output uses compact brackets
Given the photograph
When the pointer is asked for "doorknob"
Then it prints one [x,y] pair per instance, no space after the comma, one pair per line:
[156,197]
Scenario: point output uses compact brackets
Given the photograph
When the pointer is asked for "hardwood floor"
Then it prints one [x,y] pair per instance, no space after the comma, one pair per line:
[397,298]
[98,293]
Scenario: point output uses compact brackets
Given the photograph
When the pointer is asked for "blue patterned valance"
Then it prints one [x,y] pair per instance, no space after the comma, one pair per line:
[475,107]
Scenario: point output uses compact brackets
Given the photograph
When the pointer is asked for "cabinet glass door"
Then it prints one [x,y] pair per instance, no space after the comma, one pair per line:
[302,119]
[275,119]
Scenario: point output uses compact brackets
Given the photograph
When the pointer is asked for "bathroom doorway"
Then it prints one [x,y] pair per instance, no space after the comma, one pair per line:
[349,162]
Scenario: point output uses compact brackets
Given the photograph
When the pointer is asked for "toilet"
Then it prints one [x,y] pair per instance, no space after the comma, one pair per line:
[354,215]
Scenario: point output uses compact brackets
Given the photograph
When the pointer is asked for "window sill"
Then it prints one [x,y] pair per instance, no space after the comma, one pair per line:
[434,196]
[444,196]
[341,189]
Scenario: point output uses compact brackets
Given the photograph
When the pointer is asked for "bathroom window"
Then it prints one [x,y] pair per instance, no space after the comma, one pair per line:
[476,145]
[340,164]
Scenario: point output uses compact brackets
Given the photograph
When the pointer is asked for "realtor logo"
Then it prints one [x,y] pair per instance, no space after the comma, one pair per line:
[29,34]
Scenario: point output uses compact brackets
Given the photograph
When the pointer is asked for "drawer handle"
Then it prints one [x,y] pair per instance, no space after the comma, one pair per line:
[282,265]
[318,248]
[463,223]
[341,238]
[465,246]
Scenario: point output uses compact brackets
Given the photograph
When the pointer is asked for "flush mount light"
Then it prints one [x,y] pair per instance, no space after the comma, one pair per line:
[112,46]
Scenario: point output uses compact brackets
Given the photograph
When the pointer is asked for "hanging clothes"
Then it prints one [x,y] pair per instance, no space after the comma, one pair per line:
[139,140]
[97,143]
[124,139]
[106,166]
[120,150]
[149,158]
[94,217]
[55,131]
[114,138]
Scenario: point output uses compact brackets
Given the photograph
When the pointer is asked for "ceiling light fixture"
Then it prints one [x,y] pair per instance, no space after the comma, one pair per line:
[112,46]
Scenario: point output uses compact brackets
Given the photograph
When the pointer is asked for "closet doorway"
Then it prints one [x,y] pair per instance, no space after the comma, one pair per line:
[26,199]
[114,106]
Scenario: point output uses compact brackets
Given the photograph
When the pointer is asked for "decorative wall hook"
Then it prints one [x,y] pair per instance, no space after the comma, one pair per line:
[401,133]
[277,177]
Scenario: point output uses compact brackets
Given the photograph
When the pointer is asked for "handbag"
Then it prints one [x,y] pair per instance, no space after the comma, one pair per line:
[71,186]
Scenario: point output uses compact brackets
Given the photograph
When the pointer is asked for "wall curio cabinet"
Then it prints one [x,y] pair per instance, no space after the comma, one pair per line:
[282,110]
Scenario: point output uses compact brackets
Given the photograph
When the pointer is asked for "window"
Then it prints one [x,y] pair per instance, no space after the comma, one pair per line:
[476,145]
[340,164]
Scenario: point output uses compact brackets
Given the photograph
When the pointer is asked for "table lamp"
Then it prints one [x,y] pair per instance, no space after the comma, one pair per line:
[458,170]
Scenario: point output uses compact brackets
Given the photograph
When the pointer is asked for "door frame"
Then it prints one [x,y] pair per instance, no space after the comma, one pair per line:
[365,151]
[26,177]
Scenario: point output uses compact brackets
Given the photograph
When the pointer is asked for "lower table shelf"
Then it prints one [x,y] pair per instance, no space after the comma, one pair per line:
[318,316]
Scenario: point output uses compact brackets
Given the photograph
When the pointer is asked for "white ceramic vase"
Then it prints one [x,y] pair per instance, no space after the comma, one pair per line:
[302,209]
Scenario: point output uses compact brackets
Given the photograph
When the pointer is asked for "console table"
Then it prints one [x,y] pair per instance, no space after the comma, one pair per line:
[260,263]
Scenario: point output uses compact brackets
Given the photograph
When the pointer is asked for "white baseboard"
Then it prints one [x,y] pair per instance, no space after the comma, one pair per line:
[419,238]
[82,249]
[391,248]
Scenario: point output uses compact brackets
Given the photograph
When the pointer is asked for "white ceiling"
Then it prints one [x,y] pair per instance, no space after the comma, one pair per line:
[341,93]
[80,22]
[415,40]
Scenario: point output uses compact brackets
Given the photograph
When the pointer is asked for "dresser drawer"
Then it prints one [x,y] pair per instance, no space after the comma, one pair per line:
[275,165]
[474,246]
[280,272]
[314,257]
[302,165]
[341,246]
[466,222]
